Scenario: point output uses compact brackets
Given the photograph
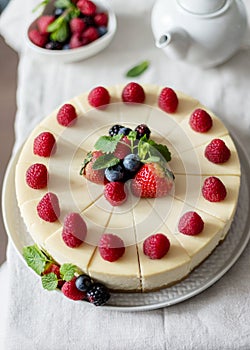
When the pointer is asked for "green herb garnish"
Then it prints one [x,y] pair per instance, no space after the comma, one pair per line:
[138,69]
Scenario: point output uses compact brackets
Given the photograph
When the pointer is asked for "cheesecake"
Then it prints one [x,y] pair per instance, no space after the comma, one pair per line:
[137,218]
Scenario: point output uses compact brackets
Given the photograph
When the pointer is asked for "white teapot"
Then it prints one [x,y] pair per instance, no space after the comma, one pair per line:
[200,32]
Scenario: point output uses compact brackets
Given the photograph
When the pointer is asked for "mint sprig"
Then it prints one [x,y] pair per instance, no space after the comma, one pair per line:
[107,144]
[105,161]
[39,260]
[50,281]
[35,258]
[162,149]
[68,271]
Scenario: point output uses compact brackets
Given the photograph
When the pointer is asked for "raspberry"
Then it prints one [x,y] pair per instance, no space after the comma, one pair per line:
[200,120]
[53,268]
[66,115]
[114,193]
[111,247]
[43,23]
[74,230]
[101,19]
[99,97]
[168,100]
[48,208]
[76,41]
[156,246]
[44,144]
[70,291]
[37,38]
[86,7]
[98,294]
[91,34]
[122,150]
[142,130]
[133,93]
[213,189]
[217,152]
[37,176]
[191,224]
[77,25]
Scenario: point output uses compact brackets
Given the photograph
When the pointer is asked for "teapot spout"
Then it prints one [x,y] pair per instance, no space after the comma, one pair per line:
[175,41]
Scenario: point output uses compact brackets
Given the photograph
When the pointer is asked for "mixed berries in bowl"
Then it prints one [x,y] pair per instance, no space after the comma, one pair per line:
[70,30]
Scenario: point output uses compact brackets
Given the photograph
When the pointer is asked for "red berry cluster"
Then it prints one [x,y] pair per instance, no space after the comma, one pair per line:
[89,25]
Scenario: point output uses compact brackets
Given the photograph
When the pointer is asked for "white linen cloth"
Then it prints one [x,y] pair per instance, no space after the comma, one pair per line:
[32,318]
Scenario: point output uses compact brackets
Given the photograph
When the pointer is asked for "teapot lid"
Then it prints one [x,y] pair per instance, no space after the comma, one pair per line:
[202,7]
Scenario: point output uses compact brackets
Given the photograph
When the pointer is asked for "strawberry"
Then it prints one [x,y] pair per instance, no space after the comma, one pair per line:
[96,176]
[152,180]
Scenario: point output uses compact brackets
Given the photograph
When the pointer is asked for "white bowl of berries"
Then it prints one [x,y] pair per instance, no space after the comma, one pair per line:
[70,30]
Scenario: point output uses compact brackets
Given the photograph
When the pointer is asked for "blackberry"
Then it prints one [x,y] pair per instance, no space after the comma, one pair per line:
[142,130]
[83,283]
[115,129]
[98,294]
[53,45]
[88,20]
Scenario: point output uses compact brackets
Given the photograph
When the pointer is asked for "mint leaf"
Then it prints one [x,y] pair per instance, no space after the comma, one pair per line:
[41,4]
[138,69]
[162,149]
[35,258]
[68,271]
[87,159]
[132,135]
[152,159]
[60,34]
[143,148]
[62,3]
[49,281]
[105,161]
[55,25]
[107,144]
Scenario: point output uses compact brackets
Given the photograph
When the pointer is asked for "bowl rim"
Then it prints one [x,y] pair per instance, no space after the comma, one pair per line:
[112,25]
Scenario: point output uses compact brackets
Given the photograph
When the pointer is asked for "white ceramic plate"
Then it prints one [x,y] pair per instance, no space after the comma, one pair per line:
[210,271]
[80,53]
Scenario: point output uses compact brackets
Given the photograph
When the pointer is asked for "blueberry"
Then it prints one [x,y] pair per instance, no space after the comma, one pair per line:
[58,11]
[114,173]
[132,162]
[66,47]
[124,131]
[102,30]
[83,283]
